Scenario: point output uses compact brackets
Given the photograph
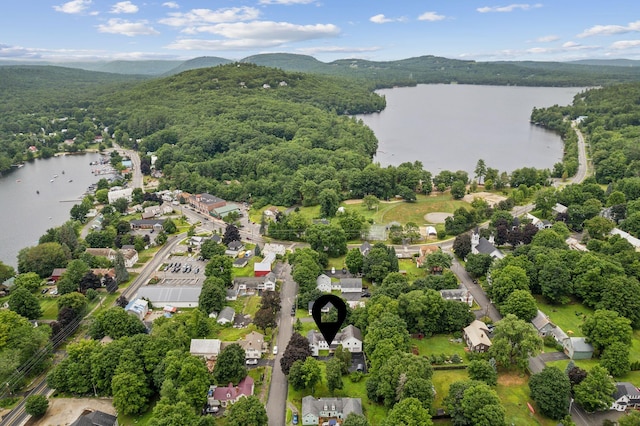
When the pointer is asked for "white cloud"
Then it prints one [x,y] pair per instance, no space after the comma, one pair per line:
[259,34]
[128,28]
[73,6]
[547,39]
[431,17]
[171,5]
[625,44]
[197,17]
[508,8]
[381,19]
[571,44]
[600,30]
[286,2]
[124,7]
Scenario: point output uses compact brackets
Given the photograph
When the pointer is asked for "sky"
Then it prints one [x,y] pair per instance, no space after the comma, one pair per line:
[379,30]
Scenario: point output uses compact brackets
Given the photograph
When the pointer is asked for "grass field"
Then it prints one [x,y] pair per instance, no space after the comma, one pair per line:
[439,344]
[567,317]
[442,379]
[49,306]
[514,394]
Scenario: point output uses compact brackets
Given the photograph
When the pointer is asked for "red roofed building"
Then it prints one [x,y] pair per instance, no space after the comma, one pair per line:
[228,395]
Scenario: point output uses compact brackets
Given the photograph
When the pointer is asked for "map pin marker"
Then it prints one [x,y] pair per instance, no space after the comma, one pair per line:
[329,329]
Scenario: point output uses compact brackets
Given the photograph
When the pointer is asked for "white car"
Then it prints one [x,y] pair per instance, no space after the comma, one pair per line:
[252,362]
[275,350]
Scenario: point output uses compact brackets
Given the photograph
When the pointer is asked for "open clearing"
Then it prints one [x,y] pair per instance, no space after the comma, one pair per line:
[64,411]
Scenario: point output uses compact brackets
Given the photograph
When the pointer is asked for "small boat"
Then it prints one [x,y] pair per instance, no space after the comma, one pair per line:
[18,181]
[51,180]
[63,172]
[37,192]
[55,176]
[70,180]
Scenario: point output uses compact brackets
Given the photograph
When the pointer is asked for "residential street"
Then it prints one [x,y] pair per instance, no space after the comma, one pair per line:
[278,389]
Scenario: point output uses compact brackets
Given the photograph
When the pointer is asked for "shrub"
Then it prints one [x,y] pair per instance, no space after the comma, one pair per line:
[356,376]
[36,405]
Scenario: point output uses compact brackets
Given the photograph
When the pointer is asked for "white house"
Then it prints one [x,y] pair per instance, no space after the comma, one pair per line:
[459,295]
[351,285]
[130,257]
[116,194]
[329,409]
[350,338]
[226,315]
[253,345]
[484,246]
[206,348]
[269,283]
[635,242]
[323,283]
[626,396]
[138,308]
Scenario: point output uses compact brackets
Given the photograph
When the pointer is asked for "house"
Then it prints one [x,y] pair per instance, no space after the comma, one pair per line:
[161,296]
[365,248]
[224,211]
[206,348]
[130,256]
[459,295]
[205,203]
[350,338]
[277,249]
[235,246]
[317,411]
[323,283]
[102,252]
[100,272]
[476,335]
[424,252]
[542,324]
[253,345]
[430,231]
[269,283]
[559,209]
[155,224]
[216,238]
[577,348]
[240,262]
[138,308]
[575,244]
[226,315]
[351,285]
[484,246]
[116,193]
[354,300]
[96,418]
[625,396]
[151,211]
[325,309]
[635,242]
[227,395]
[261,269]
[196,241]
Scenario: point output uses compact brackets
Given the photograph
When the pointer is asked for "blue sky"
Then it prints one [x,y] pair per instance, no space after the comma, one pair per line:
[488,30]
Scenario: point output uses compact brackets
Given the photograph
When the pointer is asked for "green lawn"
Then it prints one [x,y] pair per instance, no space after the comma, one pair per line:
[414,212]
[412,270]
[513,391]
[567,317]
[246,271]
[442,379]
[252,305]
[49,306]
[439,344]
[230,334]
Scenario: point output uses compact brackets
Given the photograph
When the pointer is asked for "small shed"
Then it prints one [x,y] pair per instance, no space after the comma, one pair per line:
[577,348]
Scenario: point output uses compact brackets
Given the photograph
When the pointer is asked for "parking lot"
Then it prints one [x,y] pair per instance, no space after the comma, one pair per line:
[182,271]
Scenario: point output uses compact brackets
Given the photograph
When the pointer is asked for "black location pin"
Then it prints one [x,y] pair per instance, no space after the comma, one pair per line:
[329,329]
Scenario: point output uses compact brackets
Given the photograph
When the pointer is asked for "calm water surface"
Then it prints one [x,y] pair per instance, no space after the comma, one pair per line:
[449,127]
[26,215]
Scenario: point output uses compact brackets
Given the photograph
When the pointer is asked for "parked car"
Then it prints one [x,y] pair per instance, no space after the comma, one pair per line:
[295,418]
[44,290]
[275,350]
[252,362]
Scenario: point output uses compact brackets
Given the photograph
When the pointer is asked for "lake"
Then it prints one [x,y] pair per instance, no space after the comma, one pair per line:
[451,126]
[26,215]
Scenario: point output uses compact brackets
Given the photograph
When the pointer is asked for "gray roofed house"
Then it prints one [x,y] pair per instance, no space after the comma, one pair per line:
[323,283]
[216,238]
[542,324]
[485,247]
[96,418]
[240,262]
[351,285]
[350,338]
[207,348]
[625,396]
[226,315]
[365,248]
[269,282]
[232,294]
[559,208]
[577,348]
[146,223]
[235,245]
[459,295]
[180,297]
[314,409]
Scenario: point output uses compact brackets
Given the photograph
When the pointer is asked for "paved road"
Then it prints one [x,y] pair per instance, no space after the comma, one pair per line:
[278,390]
[583,167]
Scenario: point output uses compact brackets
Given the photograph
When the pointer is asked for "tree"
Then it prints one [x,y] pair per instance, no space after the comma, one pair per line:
[36,405]
[482,371]
[630,419]
[354,261]
[264,318]
[437,261]
[554,279]
[334,374]
[6,272]
[551,390]
[595,392]
[480,170]
[398,376]
[376,264]
[30,280]
[344,356]
[230,366]
[122,274]
[408,412]
[25,303]
[247,411]
[474,403]
[353,223]
[130,392]
[354,419]
[120,205]
[221,267]
[521,304]
[329,202]
[305,374]
[169,226]
[76,301]
[505,281]
[330,239]
[514,341]
[115,323]
[478,264]
[213,295]
[462,245]
[210,248]
[122,301]
[297,349]
[231,233]
[615,358]
[42,259]
[604,328]
[389,327]
[371,201]
[458,189]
